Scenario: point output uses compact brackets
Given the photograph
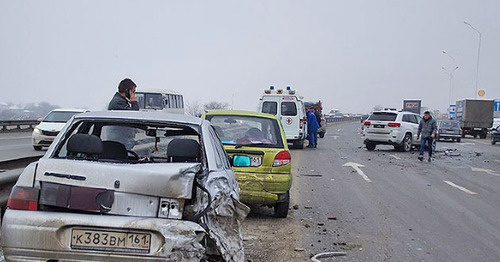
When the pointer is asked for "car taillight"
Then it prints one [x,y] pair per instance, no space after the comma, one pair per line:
[302,121]
[367,123]
[394,124]
[282,158]
[23,198]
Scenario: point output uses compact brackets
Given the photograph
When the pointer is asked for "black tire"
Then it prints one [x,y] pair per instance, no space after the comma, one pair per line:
[370,146]
[475,135]
[321,134]
[37,148]
[458,140]
[281,208]
[406,145]
[483,135]
[463,134]
[493,142]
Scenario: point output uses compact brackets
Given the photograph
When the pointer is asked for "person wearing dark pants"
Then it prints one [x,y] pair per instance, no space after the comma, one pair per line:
[426,132]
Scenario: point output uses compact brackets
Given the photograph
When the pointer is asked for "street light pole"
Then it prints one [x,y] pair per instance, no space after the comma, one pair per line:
[478,55]
[452,81]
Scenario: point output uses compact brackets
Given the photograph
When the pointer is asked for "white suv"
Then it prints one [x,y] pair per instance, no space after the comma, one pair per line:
[391,128]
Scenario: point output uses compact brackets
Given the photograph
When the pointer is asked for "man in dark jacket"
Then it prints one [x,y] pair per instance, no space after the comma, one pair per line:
[125,98]
[427,128]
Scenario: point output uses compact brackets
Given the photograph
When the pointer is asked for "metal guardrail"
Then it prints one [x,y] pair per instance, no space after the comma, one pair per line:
[10,170]
[17,124]
[342,119]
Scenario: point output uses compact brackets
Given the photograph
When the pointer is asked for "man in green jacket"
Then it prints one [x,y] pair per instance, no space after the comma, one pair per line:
[427,128]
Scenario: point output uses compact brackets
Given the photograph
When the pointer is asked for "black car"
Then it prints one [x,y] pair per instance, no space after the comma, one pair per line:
[495,135]
[449,129]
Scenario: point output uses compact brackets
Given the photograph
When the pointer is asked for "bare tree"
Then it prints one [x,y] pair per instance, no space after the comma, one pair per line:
[214,105]
[194,108]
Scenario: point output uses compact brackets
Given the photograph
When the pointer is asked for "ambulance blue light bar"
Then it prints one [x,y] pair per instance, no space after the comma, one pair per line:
[288,88]
[271,87]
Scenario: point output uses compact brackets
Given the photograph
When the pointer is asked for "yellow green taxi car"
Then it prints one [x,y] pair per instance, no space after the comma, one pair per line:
[259,154]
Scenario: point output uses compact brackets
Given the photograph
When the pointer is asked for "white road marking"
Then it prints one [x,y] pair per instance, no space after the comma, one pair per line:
[459,187]
[334,137]
[396,157]
[466,143]
[497,160]
[356,167]
[488,171]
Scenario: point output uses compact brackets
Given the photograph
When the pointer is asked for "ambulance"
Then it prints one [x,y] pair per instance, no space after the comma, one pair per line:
[288,106]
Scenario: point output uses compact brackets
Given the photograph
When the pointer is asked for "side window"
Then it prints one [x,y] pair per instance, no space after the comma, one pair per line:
[288,109]
[270,107]
[413,119]
[406,118]
[418,119]
[221,160]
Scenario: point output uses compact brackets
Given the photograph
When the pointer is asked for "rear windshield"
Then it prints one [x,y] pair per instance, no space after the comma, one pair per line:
[127,142]
[150,101]
[247,130]
[270,108]
[59,116]
[383,116]
[449,124]
[288,109]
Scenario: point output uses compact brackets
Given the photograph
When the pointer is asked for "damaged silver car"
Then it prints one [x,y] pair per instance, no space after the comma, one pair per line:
[127,186]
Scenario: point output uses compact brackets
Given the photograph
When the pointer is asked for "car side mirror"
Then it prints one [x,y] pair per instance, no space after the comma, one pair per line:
[241,161]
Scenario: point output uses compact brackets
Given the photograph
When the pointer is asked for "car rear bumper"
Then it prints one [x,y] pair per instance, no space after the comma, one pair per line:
[40,235]
[448,136]
[393,138]
[263,188]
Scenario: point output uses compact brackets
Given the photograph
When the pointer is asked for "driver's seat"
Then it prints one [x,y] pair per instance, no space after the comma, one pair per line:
[113,150]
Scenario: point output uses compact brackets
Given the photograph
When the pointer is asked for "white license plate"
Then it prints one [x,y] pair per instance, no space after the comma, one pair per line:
[102,240]
[478,128]
[255,161]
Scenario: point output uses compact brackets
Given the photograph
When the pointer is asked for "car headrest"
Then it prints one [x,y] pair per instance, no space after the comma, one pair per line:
[184,148]
[85,144]
[113,150]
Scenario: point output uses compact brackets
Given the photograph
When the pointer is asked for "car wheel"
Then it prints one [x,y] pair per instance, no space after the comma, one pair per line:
[475,136]
[463,134]
[370,146]
[482,135]
[458,140]
[37,148]
[406,146]
[322,134]
[281,208]
[493,142]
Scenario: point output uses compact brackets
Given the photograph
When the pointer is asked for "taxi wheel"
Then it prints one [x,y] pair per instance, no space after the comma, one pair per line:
[281,208]
[37,148]
[321,134]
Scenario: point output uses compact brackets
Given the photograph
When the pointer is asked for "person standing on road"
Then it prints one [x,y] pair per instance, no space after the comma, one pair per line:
[312,126]
[427,128]
[318,118]
[124,99]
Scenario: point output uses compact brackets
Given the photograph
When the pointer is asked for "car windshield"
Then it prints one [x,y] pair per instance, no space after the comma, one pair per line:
[59,116]
[449,124]
[247,130]
[127,142]
[383,116]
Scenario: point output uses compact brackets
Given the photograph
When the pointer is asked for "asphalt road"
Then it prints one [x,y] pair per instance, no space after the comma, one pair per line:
[396,209]
[17,145]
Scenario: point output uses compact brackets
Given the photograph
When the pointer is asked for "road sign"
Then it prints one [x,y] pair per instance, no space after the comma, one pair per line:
[497,106]
[481,92]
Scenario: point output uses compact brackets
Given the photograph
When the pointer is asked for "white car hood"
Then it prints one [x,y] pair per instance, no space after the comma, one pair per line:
[49,126]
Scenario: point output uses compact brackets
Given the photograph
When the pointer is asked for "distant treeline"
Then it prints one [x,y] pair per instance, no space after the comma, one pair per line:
[31,111]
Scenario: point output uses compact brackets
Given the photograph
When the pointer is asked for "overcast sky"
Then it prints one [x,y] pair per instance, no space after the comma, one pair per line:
[350,54]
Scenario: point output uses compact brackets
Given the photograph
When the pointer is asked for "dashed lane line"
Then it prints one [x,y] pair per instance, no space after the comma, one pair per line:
[460,187]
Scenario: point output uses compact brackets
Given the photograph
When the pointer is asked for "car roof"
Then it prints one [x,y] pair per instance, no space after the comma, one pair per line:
[69,110]
[240,113]
[394,112]
[152,116]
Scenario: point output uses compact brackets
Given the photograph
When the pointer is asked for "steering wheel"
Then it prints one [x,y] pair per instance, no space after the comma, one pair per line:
[133,153]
